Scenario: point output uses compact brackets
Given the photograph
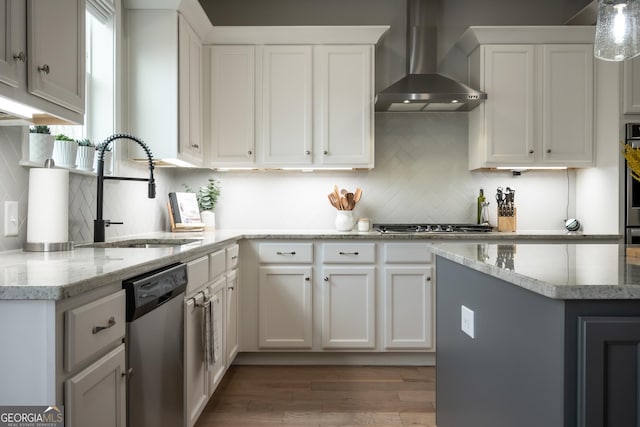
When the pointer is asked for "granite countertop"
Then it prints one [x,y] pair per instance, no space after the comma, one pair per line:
[60,275]
[560,271]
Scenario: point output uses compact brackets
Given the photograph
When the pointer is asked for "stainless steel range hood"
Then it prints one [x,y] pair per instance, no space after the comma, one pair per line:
[422,89]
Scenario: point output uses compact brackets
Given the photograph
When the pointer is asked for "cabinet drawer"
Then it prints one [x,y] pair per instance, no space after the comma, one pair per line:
[407,253]
[232,256]
[197,273]
[350,253]
[92,327]
[217,264]
[286,253]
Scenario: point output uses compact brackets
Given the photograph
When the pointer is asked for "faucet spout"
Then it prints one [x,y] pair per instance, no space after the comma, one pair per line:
[100,223]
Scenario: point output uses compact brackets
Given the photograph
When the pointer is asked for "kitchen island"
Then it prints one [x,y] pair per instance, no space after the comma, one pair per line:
[532,334]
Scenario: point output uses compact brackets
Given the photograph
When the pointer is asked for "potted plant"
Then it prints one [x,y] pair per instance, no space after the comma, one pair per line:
[40,146]
[107,160]
[207,196]
[86,152]
[64,151]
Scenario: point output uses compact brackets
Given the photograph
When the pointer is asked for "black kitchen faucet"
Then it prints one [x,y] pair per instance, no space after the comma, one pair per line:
[99,224]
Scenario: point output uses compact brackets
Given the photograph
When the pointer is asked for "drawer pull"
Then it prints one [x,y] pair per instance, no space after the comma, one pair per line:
[127,374]
[19,57]
[286,253]
[231,288]
[307,279]
[234,257]
[110,324]
[348,253]
[44,69]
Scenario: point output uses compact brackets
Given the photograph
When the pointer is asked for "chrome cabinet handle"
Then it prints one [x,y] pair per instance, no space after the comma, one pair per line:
[20,57]
[110,324]
[348,253]
[285,253]
[45,69]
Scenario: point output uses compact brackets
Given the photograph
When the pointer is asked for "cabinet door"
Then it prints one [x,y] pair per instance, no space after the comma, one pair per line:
[284,307]
[344,104]
[348,307]
[232,105]
[54,73]
[190,104]
[509,110]
[232,316]
[567,107]
[195,369]
[12,42]
[96,396]
[286,106]
[631,92]
[219,366]
[408,308]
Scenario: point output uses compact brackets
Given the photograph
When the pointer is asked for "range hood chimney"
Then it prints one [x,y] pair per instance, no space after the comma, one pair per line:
[422,89]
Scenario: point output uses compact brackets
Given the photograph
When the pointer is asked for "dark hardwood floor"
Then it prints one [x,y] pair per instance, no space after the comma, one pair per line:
[314,396]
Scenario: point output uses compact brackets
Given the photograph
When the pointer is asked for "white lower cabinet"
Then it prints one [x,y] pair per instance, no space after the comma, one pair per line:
[348,307]
[96,396]
[285,307]
[408,313]
[231,310]
[409,303]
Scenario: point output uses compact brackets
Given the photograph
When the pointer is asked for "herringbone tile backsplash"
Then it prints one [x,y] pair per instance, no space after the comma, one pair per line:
[420,175]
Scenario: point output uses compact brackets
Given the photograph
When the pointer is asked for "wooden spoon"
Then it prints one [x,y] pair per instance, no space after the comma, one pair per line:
[344,203]
[357,194]
[350,200]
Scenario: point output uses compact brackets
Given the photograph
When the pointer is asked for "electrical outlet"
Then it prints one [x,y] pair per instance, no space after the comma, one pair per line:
[467,321]
[10,219]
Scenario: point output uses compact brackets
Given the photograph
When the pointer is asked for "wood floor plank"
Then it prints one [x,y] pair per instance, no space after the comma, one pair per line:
[321,396]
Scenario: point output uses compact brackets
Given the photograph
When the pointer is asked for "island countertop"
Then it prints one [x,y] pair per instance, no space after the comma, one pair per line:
[566,271]
[60,275]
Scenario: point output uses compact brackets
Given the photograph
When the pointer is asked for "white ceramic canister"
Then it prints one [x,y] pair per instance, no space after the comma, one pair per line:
[344,220]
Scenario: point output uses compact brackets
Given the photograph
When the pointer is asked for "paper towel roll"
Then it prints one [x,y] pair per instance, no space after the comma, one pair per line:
[48,210]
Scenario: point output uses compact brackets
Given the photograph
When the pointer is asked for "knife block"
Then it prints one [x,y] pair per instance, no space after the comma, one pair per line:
[507,223]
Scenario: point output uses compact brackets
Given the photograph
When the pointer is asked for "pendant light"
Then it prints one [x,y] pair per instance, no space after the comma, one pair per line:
[617,33]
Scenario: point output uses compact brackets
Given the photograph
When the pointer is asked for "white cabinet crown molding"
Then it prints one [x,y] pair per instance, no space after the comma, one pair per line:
[552,34]
[362,34]
[191,9]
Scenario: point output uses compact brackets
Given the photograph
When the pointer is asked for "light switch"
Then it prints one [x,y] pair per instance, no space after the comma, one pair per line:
[11,221]
[467,321]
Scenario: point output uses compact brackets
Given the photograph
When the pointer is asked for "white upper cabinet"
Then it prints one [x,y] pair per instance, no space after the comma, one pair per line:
[57,74]
[631,92]
[165,80]
[540,96]
[34,69]
[313,99]
[344,97]
[286,105]
[231,98]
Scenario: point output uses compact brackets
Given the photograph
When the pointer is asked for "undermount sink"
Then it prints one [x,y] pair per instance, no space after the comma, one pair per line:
[139,243]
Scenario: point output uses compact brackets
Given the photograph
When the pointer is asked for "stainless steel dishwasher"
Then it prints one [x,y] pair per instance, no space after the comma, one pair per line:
[154,340]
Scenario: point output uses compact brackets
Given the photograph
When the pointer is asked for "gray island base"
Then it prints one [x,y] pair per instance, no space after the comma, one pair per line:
[536,360]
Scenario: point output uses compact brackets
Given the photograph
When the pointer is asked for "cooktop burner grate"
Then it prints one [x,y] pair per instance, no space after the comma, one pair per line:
[431,228]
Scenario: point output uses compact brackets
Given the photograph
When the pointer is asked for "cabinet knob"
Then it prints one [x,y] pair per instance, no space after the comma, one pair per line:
[428,279]
[20,57]
[249,152]
[530,151]
[307,279]
[195,146]
[325,152]
[548,150]
[127,374]
[308,153]
[45,69]
[231,288]
[326,279]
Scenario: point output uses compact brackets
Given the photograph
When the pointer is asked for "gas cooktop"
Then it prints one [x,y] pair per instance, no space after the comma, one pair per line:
[431,228]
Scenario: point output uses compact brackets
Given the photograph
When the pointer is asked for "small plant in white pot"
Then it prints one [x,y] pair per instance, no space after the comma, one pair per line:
[207,196]
[40,147]
[86,153]
[64,151]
